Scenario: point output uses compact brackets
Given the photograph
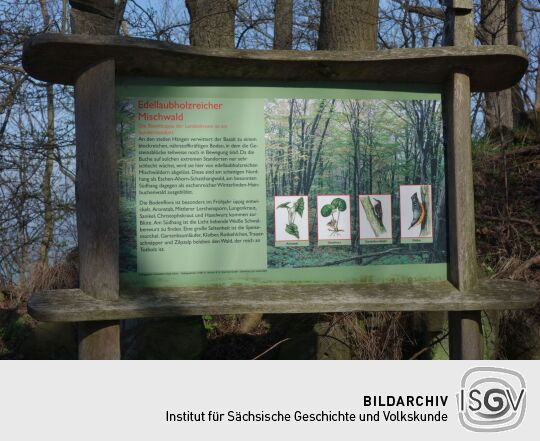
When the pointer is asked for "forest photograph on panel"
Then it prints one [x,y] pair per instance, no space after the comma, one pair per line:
[358,147]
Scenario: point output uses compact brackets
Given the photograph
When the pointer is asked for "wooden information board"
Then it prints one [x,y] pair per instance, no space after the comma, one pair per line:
[227,181]
[271,183]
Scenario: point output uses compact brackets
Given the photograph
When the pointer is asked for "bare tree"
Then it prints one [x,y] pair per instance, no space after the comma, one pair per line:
[537,90]
[35,178]
[48,220]
[515,37]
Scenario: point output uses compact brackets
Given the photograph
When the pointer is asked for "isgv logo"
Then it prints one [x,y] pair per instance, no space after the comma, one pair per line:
[491,399]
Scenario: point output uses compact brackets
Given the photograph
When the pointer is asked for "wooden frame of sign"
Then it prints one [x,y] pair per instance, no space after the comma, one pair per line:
[91,64]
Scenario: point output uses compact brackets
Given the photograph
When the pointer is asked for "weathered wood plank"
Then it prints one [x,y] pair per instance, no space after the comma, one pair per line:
[75,305]
[97,203]
[60,58]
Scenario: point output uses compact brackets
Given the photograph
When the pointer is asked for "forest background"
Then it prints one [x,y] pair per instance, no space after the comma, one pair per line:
[355,146]
[37,221]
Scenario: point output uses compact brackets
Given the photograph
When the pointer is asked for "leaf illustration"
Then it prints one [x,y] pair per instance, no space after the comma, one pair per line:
[292,229]
[299,206]
[326,210]
[339,204]
[284,205]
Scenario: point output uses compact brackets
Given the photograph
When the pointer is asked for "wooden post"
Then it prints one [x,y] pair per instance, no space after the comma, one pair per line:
[465,328]
[97,204]
[466,342]
[97,196]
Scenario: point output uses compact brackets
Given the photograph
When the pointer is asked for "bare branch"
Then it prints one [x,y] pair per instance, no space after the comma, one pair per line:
[530,8]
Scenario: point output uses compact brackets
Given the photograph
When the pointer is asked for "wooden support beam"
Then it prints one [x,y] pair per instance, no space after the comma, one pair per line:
[465,327]
[459,24]
[466,342]
[462,5]
[73,305]
[60,58]
[97,204]
[99,340]
[463,271]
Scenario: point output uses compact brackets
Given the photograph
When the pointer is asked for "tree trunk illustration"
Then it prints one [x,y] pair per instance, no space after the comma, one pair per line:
[425,229]
[376,225]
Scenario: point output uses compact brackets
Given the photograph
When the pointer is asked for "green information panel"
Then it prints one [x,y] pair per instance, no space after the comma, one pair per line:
[269,183]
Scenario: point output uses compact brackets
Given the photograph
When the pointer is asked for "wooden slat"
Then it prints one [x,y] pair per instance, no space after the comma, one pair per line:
[60,58]
[75,305]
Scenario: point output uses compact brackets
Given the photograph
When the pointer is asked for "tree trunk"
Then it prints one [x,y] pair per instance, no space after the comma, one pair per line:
[48,220]
[348,25]
[440,227]
[20,203]
[498,116]
[425,229]
[92,17]
[537,91]
[290,170]
[515,37]
[212,22]
[376,225]
[96,17]
[283,24]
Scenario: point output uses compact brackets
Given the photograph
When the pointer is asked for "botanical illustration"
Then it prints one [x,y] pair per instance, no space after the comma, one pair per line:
[291,220]
[356,147]
[293,209]
[334,219]
[333,210]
